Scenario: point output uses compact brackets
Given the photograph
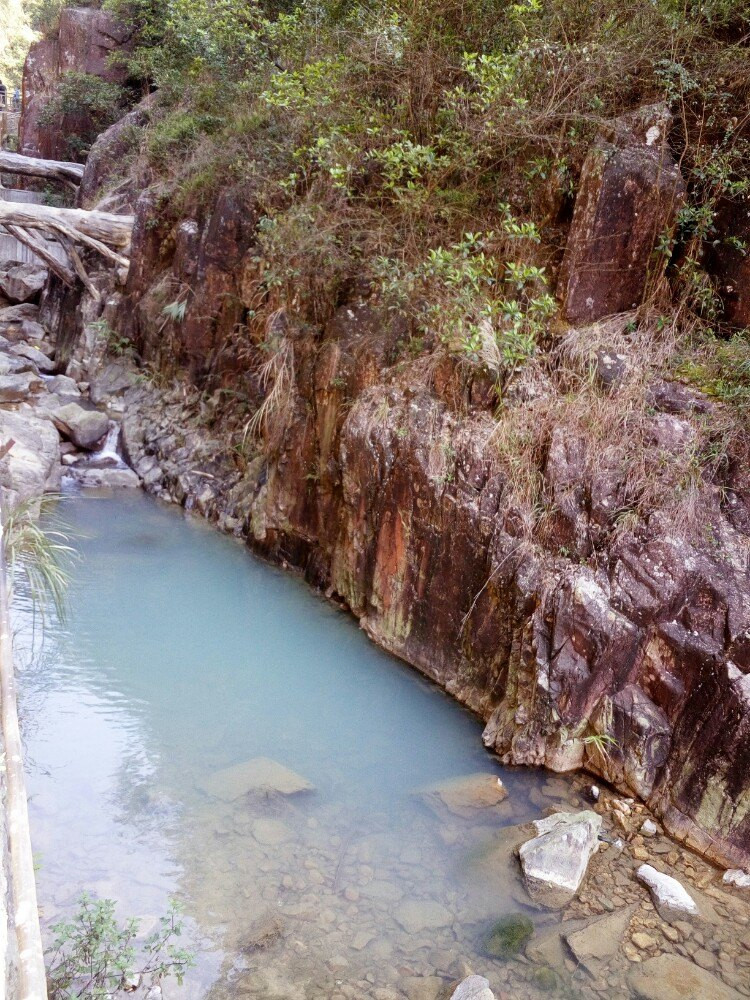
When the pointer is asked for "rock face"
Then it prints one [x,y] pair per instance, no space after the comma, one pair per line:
[728,262]
[32,467]
[630,192]
[106,167]
[85,42]
[671,977]
[672,900]
[554,863]
[381,481]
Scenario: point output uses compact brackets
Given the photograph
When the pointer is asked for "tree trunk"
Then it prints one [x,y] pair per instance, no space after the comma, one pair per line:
[30,166]
[104,227]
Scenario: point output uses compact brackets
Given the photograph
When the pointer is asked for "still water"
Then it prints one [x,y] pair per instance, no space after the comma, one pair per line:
[184,655]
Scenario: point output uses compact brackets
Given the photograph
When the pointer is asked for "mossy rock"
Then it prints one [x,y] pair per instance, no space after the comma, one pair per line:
[545,979]
[508,936]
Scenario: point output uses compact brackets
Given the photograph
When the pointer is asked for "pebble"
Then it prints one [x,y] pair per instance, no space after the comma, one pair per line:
[644,941]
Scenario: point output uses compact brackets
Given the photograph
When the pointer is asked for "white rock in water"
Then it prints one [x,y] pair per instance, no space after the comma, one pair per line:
[554,863]
[671,899]
[649,828]
[474,988]
[738,878]
[594,792]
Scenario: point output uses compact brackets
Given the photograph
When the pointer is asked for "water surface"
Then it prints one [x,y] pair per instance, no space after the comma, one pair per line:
[183,655]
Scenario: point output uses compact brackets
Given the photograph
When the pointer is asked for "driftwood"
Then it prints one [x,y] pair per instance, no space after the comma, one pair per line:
[30,166]
[100,230]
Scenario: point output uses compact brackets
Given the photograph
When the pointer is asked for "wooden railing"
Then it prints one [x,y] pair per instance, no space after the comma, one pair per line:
[28,980]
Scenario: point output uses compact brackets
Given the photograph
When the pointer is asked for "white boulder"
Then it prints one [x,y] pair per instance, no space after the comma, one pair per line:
[554,863]
[474,988]
[671,899]
[737,878]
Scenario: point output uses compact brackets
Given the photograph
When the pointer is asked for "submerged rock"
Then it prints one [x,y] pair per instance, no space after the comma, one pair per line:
[261,774]
[271,832]
[469,796]
[671,977]
[554,863]
[474,988]
[600,940]
[422,914]
[671,899]
[508,936]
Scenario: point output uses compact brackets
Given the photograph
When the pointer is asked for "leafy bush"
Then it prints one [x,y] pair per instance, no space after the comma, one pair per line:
[94,956]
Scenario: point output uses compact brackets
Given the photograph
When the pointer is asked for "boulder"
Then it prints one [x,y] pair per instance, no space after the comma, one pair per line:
[97,477]
[259,775]
[737,878]
[672,977]
[11,365]
[22,282]
[63,386]
[18,387]
[40,360]
[629,194]
[85,428]
[11,317]
[474,988]
[554,863]
[472,796]
[671,899]
[32,467]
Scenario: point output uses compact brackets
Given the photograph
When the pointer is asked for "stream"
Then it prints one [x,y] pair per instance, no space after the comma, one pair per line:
[184,655]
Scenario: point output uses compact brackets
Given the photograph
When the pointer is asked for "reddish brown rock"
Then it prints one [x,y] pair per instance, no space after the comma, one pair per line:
[629,195]
[728,259]
[85,42]
[107,181]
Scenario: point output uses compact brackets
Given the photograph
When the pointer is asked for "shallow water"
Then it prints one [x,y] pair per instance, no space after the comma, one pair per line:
[183,655]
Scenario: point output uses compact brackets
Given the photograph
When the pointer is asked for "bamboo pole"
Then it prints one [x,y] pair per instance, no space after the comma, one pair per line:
[31,971]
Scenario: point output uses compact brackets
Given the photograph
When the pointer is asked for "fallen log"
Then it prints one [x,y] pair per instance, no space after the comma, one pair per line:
[39,247]
[85,226]
[31,166]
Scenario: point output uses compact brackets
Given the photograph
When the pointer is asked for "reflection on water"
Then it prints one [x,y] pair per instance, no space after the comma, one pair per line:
[185,655]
